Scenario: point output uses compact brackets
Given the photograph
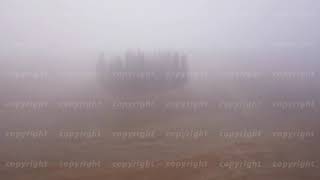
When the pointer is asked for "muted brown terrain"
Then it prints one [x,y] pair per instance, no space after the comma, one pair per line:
[212,148]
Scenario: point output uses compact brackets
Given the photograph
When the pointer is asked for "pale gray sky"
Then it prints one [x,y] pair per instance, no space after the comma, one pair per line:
[55,26]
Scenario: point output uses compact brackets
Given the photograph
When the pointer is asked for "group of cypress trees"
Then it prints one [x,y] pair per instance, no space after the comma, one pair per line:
[140,72]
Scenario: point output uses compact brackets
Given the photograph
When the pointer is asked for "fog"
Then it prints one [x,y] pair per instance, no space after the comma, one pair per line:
[58,27]
[120,81]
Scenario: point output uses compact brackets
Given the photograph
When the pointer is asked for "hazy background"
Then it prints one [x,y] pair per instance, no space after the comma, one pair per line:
[60,27]
[225,39]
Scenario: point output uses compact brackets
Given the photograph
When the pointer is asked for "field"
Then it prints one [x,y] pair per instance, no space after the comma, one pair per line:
[217,109]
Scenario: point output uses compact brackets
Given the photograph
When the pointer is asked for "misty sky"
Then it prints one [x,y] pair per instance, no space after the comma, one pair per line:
[53,26]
